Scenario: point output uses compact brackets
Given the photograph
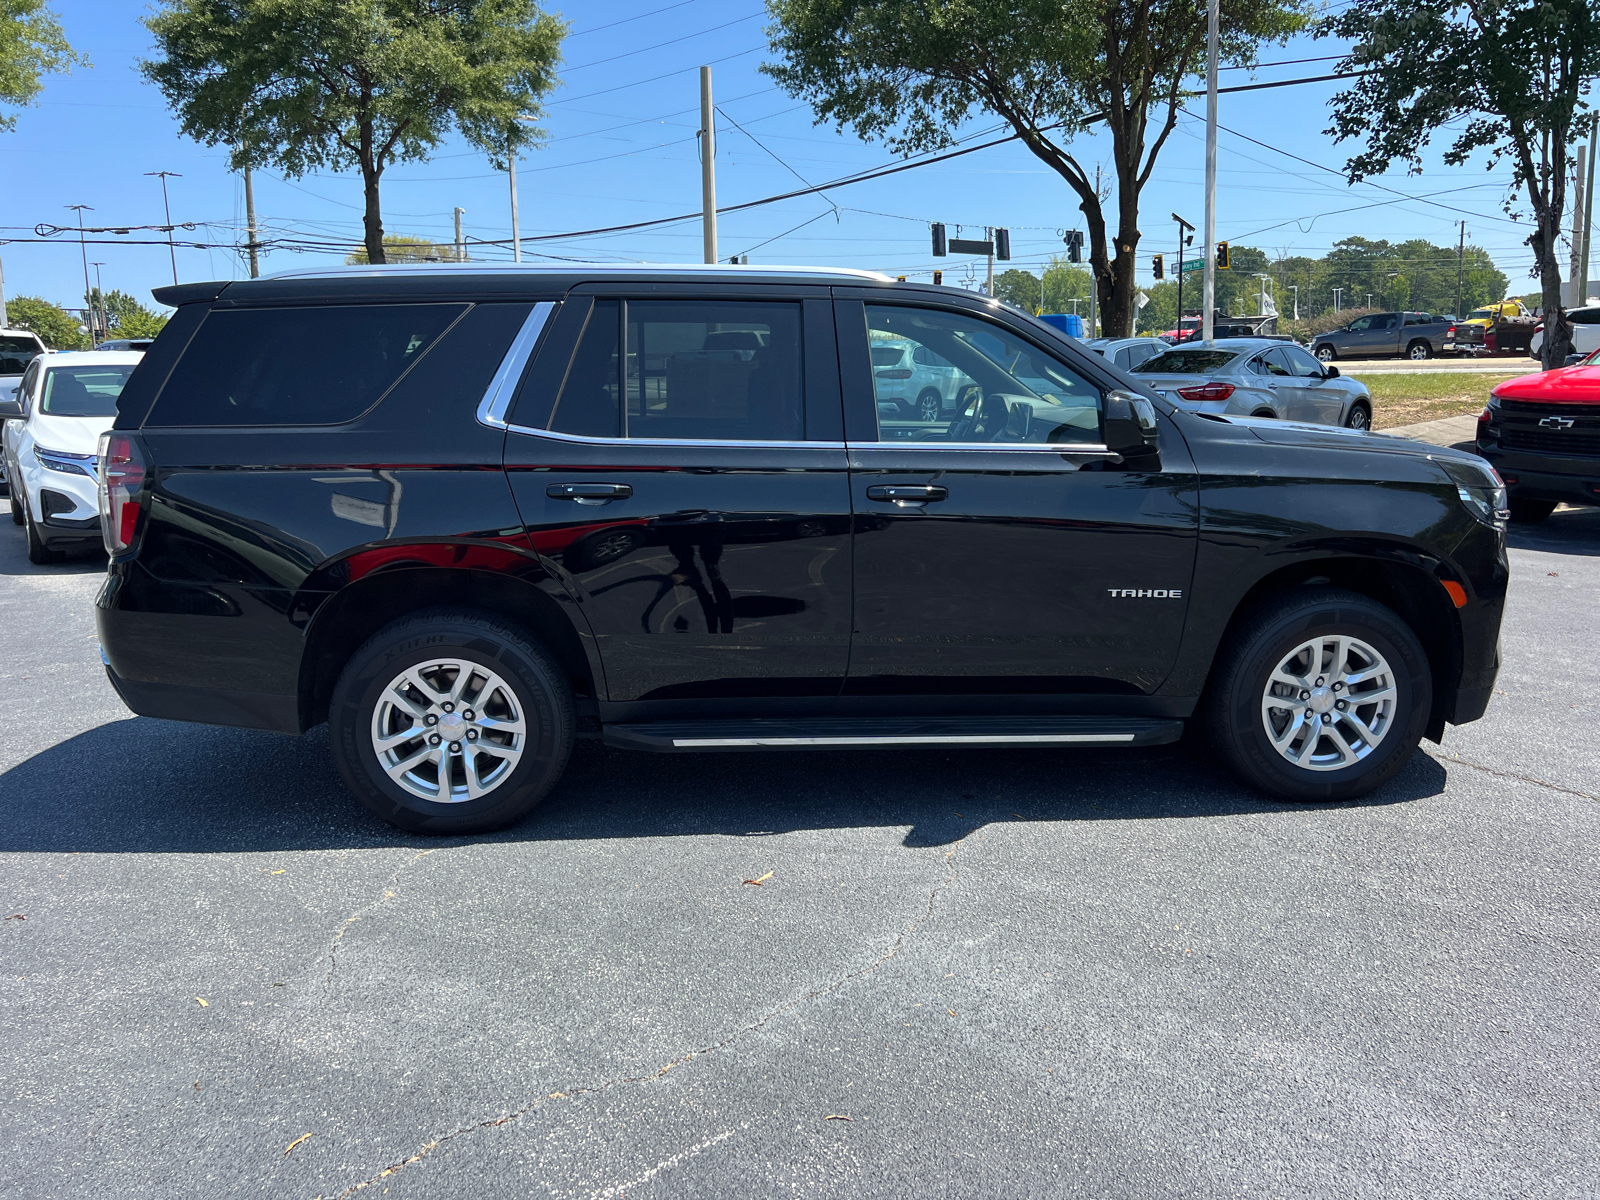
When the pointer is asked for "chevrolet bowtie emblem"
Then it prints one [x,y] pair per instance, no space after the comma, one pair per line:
[1556,422]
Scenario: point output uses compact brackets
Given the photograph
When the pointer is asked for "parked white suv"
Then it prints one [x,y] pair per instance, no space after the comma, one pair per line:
[912,378]
[52,430]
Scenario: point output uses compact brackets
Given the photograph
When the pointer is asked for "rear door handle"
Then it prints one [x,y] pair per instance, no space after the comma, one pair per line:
[907,495]
[589,493]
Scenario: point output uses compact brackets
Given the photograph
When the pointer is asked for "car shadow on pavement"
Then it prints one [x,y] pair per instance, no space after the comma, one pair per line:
[1568,530]
[145,785]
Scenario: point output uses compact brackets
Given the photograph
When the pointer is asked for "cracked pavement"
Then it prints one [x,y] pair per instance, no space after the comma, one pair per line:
[985,973]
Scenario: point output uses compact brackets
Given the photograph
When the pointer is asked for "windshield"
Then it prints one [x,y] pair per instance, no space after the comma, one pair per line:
[1186,362]
[1479,314]
[84,391]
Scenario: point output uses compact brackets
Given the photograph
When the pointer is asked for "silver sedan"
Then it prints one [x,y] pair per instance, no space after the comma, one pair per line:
[1257,377]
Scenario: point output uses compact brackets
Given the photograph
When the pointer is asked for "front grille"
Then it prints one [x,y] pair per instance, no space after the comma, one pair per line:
[1564,442]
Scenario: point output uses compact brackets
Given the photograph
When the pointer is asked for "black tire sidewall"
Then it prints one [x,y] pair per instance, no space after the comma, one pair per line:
[1242,736]
[541,692]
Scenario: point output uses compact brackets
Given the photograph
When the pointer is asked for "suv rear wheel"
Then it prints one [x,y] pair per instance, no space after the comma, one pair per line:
[451,721]
[1326,353]
[1322,695]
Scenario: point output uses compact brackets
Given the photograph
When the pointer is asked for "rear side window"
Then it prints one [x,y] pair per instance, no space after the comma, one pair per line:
[297,366]
[698,370]
[16,353]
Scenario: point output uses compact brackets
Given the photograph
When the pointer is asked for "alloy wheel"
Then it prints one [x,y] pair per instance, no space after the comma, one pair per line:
[448,731]
[1329,703]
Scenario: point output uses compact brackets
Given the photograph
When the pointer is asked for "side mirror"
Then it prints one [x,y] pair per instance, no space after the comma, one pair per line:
[1130,424]
[1330,372]
[11,409]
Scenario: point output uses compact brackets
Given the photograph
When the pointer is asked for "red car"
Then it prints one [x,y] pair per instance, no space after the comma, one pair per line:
[1542,433]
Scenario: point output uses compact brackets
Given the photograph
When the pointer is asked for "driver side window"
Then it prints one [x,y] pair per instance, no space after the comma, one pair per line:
[1360,324]
[991,386]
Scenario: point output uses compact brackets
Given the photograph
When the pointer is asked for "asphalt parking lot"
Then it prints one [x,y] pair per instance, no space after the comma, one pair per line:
[1003,973]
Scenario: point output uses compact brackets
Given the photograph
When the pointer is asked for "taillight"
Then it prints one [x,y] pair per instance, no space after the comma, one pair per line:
[899,373]
[122,478]
[1207,391]
[1451,332]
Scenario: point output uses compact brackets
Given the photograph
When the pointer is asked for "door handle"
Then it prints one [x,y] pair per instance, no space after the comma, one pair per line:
[589,493]
[907,495]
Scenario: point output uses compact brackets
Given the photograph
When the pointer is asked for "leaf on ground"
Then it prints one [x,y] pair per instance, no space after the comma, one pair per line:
[558,1095]
[1554,574]
[203,1004]
[759,882]
[837,1117]
[277,872]
[951,1011]
[302,1138]
[17,917]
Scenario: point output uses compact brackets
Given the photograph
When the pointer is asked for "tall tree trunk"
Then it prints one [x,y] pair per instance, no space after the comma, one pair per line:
[372,218]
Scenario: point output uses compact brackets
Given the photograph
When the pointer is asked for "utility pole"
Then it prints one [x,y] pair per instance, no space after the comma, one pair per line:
[84,250]
[1578,201]
[708,168]
[167,206]
[1369,299]
[988,288]
[461,245]
[250,222]
[1209,291]
[516,220]
[1588,209]
[1461,264]
[1295,288]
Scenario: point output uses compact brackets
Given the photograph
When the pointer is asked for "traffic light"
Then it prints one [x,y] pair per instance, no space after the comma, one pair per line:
[899,278]
[940,248]
[1158,266]
[1222,256]
[1074,241]
[1002,244]
[938,279]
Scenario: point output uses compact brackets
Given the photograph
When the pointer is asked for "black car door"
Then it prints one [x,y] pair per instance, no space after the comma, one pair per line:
[677,458]
[1001,549]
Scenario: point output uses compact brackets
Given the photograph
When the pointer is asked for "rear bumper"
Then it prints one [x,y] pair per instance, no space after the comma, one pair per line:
[208,706]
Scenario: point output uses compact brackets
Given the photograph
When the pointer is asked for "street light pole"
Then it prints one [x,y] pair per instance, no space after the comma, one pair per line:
[1337,292]
[1209,291]
[166,205]
[1295,288]
[100,291]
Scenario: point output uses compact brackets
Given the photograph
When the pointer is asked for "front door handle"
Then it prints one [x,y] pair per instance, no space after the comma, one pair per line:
[907,495]
[589,493]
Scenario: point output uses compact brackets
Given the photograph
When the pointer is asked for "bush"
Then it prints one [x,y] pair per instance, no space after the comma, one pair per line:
[1310,327]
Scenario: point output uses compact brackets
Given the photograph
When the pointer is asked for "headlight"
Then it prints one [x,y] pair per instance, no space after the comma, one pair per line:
[65,462]
[1482,491]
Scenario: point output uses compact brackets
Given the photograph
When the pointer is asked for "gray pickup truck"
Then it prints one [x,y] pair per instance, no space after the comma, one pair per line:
[1382,335]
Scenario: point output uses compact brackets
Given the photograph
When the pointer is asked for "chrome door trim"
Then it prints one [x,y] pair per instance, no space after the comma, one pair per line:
[497,397]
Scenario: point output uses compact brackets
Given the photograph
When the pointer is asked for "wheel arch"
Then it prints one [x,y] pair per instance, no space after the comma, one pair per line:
[1406,581]
[347,618]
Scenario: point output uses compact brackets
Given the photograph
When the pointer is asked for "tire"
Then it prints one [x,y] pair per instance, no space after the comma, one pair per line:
[16,508]
[1418,351]
[38,553]
[1325,353]
[1265,414]
[1240,708]
[1530,512]
[1359,417]
[517,678]
[929,404]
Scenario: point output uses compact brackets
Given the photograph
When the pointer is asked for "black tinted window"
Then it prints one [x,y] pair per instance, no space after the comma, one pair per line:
[1584,316]
[15,353]
[297,366]
[704,370]
[1187,362]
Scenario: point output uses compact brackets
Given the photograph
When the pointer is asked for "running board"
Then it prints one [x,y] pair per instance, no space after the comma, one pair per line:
[802,733]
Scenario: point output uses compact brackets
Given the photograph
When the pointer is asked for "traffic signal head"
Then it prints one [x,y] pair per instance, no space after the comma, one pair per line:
[1002,244]
[1158,266]
[938,279]
[940,248]
[1222,256]
[1074,245]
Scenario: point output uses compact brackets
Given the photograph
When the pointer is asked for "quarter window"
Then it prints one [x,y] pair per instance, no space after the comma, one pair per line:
[1303,365]
[695,370]
[996,386]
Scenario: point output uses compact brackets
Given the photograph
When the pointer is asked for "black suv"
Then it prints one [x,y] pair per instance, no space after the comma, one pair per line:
[465,515]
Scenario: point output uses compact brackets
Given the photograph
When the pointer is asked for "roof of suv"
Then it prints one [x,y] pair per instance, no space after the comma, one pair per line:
[502,279]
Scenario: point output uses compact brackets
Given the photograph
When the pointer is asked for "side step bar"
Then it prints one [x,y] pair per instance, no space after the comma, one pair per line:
[802,733]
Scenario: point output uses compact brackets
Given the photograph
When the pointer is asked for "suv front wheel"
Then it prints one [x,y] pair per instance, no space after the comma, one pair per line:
[451,721]
[1322,695]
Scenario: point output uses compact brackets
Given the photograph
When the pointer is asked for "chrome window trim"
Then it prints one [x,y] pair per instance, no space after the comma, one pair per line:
[716,444]
[497,397]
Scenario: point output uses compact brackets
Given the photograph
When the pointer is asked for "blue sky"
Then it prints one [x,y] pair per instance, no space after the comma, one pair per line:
[622,148]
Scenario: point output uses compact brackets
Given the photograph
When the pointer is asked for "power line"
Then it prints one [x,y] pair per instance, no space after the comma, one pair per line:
[628,20]
[670,42]
[622,87]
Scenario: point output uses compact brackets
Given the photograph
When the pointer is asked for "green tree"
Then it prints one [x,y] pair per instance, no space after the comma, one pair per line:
[1507,78]
[403,248]
[1063,283]
[913,71]
[56,327]
[306,85]
[125,316]
[31,46]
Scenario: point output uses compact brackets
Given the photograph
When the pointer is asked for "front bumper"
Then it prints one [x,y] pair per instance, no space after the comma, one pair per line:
[1529,478]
